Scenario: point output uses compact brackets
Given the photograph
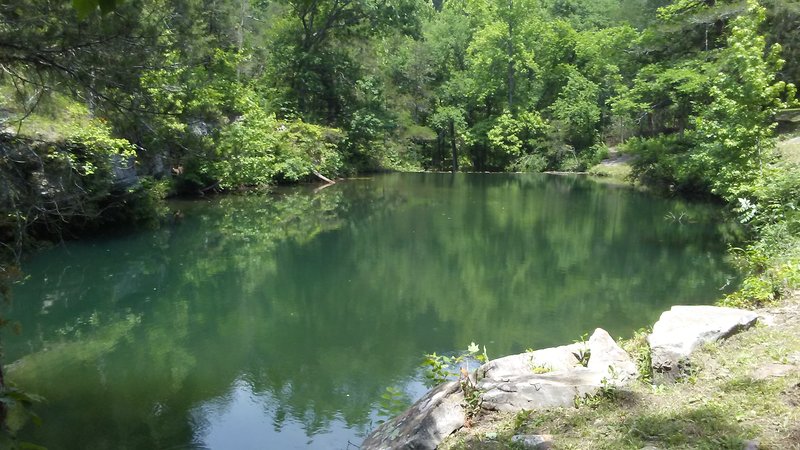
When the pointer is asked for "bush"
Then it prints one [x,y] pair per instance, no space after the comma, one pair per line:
[49,189]
[258,150]
[663,162]
[771,263]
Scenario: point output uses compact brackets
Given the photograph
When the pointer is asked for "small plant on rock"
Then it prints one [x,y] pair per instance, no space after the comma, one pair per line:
[440,368]
[583,354]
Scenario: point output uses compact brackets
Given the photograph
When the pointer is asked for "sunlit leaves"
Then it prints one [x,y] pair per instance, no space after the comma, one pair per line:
[735,131]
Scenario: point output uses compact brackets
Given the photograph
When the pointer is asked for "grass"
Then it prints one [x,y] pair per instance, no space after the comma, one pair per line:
[615,172]
[56,116]
[722,405]
[790,150]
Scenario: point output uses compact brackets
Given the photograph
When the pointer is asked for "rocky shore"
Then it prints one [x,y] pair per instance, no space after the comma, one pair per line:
[561,377]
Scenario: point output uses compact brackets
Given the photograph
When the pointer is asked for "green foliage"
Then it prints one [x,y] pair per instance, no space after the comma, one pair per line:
[734,133]
[86,7]
[638,348]
[472,396]
[518,141]
[605,394]
[257,150]
[17,405]
[440,368]
[584,353]
[540,368]
[664,163]
[577,109]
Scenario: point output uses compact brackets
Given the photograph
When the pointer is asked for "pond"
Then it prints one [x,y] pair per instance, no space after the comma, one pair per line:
[279,321]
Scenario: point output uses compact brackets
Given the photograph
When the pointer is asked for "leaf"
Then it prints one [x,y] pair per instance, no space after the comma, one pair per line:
[106,6]
[473,348]
[30,446]
[84,7]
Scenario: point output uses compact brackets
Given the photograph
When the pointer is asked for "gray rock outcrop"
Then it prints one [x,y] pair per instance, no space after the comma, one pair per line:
[513,384]
[534,441]
[123,171]
[682,329]
[544,378]
[423,426]
[534,391]
[609,358]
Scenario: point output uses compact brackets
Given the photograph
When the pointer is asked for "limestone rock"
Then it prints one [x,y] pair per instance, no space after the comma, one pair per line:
[534,441]
[534,391]
[124,171]
[610,358]
[682,329]
[512,383]
[425,424]
[772,371]
[603,350]
[549,359]
[750,445]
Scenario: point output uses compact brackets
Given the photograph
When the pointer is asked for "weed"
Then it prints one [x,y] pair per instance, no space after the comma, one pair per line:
[583,354]
[639,350]
[472,395]
[440,368]
[607,392]
[540,368]
[520,419]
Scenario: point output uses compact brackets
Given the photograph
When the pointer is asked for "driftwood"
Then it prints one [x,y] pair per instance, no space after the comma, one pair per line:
[322,177]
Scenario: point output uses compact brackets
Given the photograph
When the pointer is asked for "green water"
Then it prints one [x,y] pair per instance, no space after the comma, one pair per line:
[279,321]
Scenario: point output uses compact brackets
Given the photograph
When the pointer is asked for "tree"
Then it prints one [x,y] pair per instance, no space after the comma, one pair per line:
[734,133]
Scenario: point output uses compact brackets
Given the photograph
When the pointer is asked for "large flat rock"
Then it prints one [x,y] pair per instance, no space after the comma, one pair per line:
[513,383]
[553,359]
[606,356]
[425,424]
[682,329]
[544,378]
[535,391]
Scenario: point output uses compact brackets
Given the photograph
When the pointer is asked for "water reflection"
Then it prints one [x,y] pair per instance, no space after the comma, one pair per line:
[278,322]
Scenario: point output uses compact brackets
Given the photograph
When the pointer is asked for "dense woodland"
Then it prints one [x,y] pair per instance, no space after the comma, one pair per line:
[218,95]
[109,106]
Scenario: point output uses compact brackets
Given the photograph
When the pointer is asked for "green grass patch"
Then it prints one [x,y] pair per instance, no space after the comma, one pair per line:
[790,150]
[55,116]
[618,172]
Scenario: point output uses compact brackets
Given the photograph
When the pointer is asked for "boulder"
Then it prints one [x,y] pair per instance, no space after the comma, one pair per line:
[512,383]
[535,391]
[682,329]
[544,378]
[425,424]
[123,171]
[549,359]
[534,441]
[610,358]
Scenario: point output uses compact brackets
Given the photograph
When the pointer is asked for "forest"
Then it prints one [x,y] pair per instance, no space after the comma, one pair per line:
[107,107]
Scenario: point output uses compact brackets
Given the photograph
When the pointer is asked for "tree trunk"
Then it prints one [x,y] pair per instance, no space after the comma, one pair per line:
[453,146]
[511,61]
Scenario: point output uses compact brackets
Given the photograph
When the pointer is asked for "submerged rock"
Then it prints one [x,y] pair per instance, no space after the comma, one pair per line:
[425,424]
[682,329]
